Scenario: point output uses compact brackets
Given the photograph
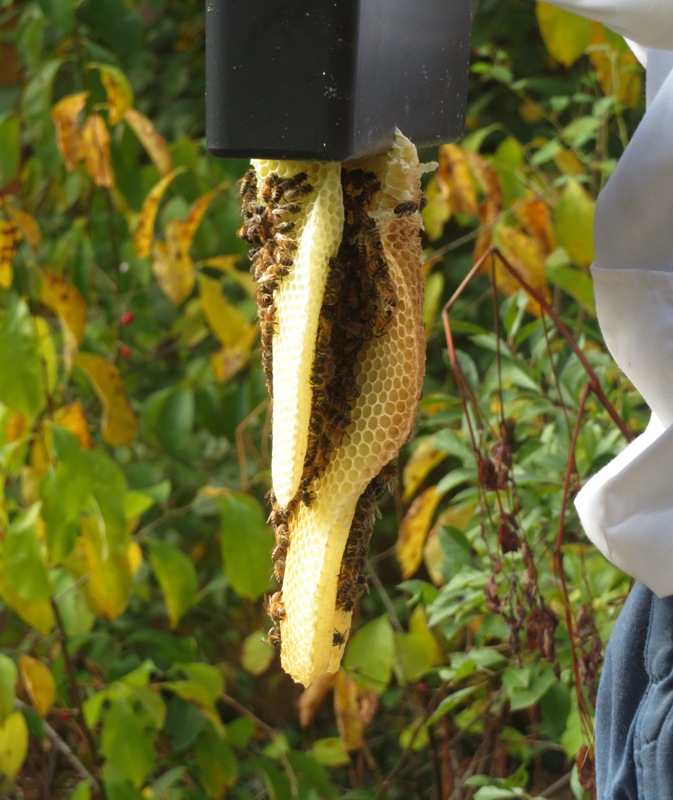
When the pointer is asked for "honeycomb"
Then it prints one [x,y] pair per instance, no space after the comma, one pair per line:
[348,353]
[317,232]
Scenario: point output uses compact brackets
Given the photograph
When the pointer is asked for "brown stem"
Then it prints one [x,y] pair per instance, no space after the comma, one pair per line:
[76,697]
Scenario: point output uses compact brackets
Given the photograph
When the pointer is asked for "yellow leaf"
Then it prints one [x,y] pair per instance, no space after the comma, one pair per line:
[13,748]
[225,320]
[153,142]
[574,222]
[422,461]
[522,253]
[565,35]
[347,712]
[437,211]
[66,301]
[173,266]
[9,239]
[18,427]
[134,557]
[227,264]
[109,583]
[68,138]
[26,225]
[96,151]
[144,231]
[119,421]
[174,272]
[118,90]
[39,683]
[180,233]
[455,179]
[414,529]
[619,72]
[535,217]
[73,419]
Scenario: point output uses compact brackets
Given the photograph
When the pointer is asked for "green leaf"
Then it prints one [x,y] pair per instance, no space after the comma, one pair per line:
[8,678]
[452,701]
[256,655]
[246,544]
[417,652]
[370,655]
[21,378]
[217,763]
[82,791]
[176,576]
[126,744]
[574,223]
[10,149]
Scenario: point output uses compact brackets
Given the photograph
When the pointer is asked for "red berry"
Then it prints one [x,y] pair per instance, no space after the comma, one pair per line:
[127,318]
[64,715]
[125,351]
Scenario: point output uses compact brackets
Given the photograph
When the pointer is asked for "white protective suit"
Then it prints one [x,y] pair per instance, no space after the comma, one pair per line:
[627,508]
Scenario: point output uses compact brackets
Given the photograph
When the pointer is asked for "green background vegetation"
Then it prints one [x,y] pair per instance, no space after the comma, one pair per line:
[134,438]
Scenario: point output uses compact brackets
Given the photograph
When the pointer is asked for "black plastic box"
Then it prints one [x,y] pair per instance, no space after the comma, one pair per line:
[330,81]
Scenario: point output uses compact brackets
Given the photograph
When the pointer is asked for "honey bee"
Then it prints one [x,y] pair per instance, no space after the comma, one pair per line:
[276,607]
[285,241]
[339,638]
[285,208]
[295,192]
[403,209]
[268,185]
[283,259]
[279,570]
[273,636]
[305,495]
[283,187]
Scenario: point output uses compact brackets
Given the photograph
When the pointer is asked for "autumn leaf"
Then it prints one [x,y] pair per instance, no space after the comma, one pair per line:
[150,138]
[118,90]
[225,320]
[174,272]
[347,712]
[96,151]
[13,748]
[173,266]
[522,253]
[455,179]
[73,419]
[65,300]
[618,70]
[535,217]
[65,115]
[39,683]
[414,530]
[119,421]
[566,35]
[109,573]
[10,237]
[422,461]
[144,231]
[27,226]
[437,211]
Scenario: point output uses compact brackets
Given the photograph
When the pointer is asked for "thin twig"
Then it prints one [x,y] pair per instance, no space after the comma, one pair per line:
[264,726]
[61,746]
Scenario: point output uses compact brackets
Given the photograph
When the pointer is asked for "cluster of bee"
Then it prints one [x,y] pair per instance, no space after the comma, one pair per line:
[352,579]
[266,225]
[359,303]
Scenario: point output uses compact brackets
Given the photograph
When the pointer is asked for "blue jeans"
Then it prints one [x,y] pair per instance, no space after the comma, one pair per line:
[634,709]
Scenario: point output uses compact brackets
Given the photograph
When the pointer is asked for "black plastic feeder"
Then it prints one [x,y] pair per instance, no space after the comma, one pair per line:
[330,81]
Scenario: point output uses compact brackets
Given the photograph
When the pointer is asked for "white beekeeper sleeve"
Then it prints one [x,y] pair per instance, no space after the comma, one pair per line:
[627,508]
